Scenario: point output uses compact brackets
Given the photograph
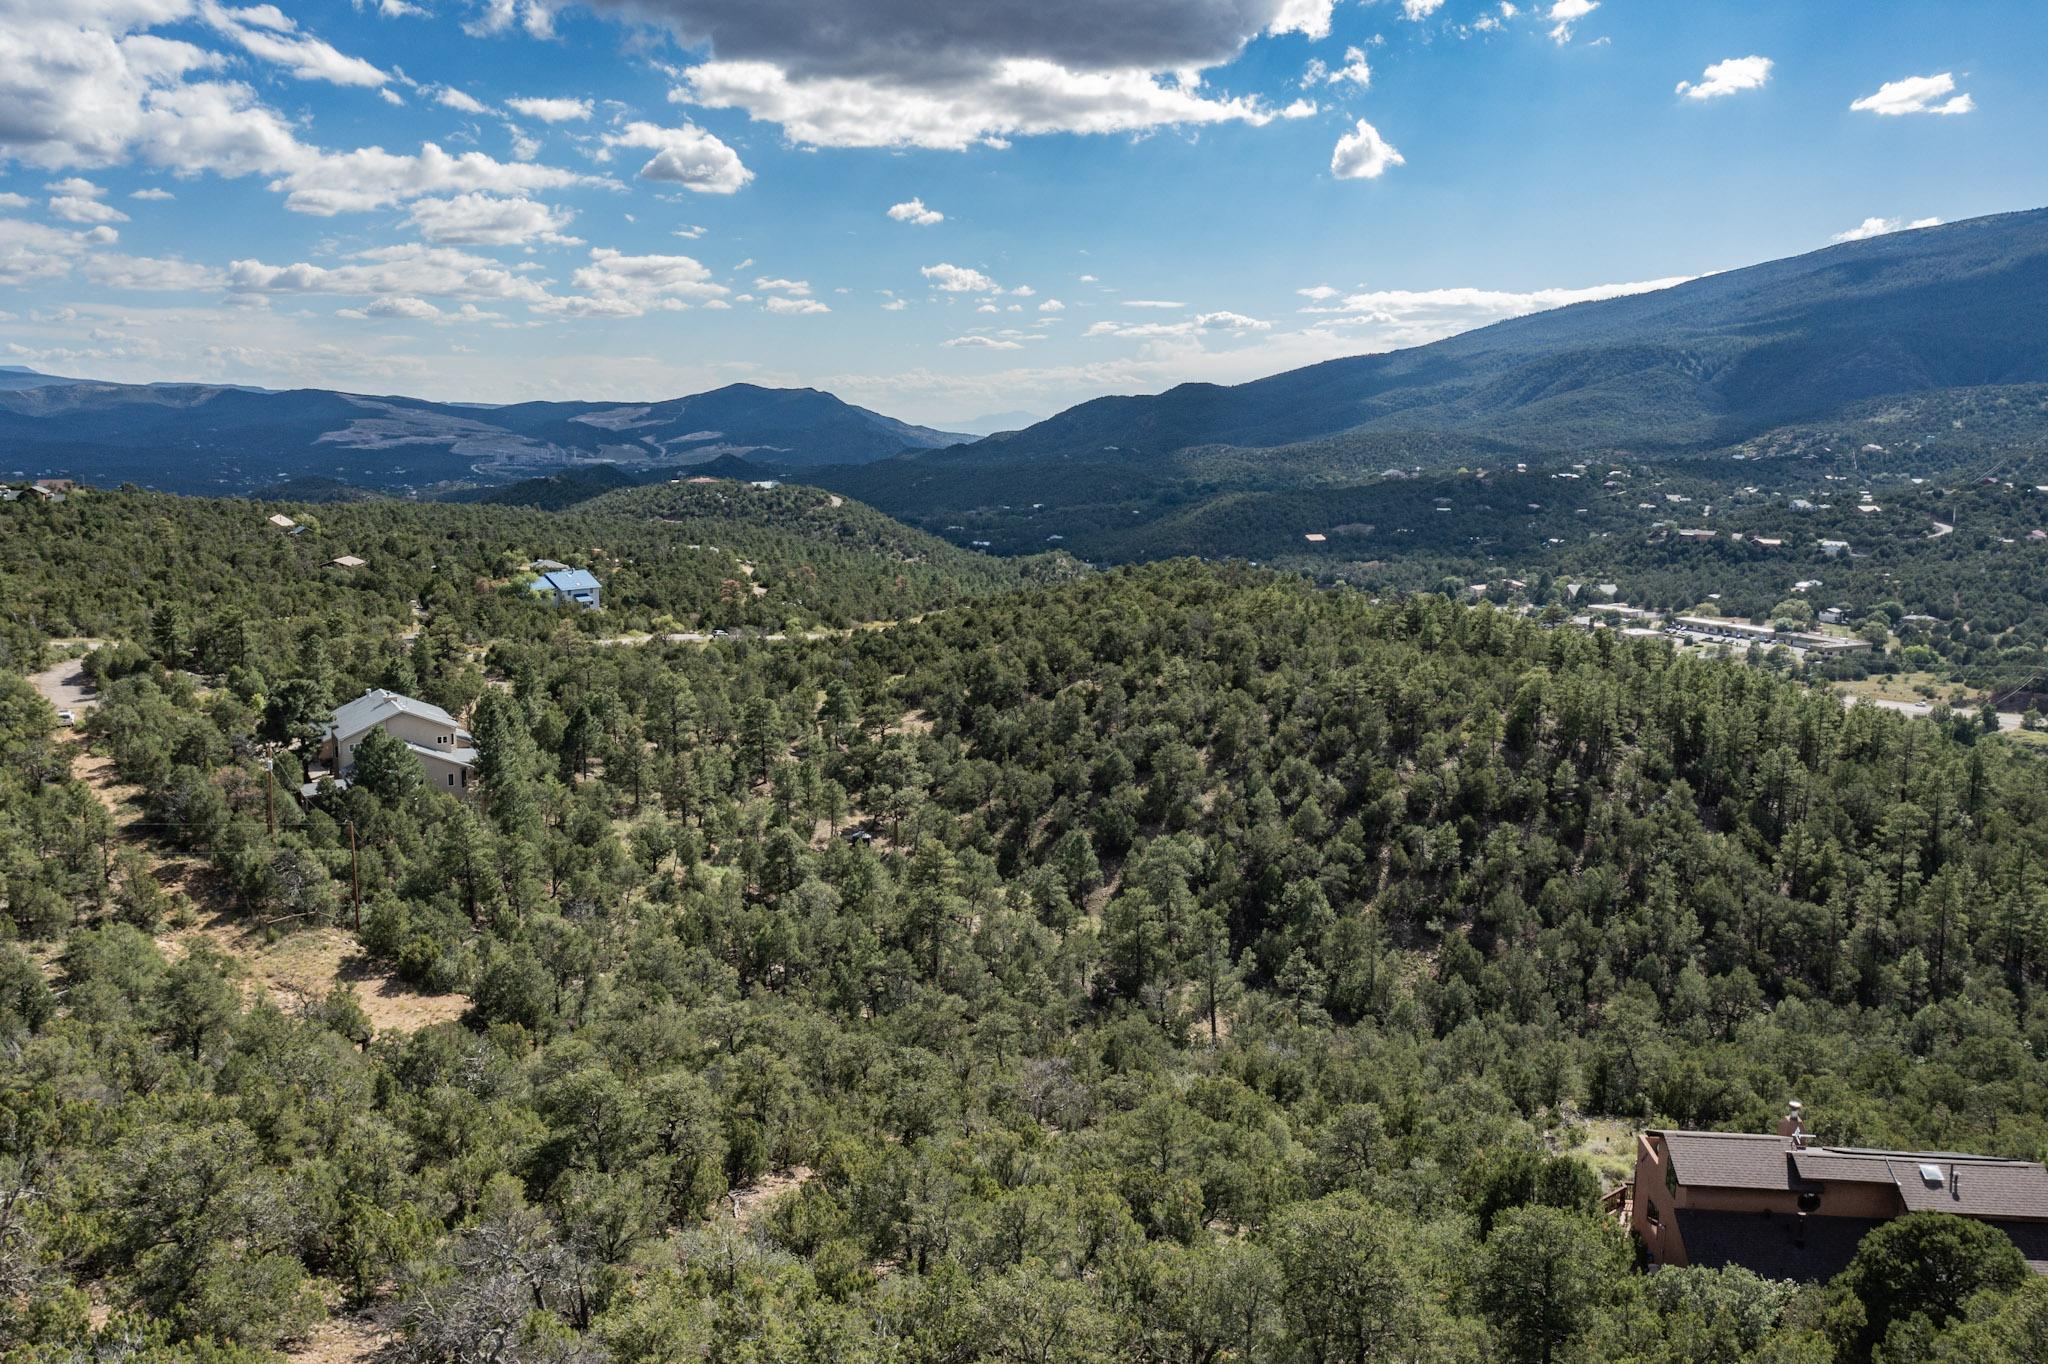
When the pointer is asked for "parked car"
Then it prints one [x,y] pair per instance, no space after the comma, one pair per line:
[65,717]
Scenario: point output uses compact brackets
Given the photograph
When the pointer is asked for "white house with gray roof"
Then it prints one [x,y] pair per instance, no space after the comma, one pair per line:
[443,746]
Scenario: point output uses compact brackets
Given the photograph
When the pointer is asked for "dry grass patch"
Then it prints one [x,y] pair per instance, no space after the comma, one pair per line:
[304,967]
[342,1340]
[750,1203]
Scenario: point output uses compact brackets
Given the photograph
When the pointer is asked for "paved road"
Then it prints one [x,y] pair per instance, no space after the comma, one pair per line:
[1941,528]
[66,687]
[2007,721]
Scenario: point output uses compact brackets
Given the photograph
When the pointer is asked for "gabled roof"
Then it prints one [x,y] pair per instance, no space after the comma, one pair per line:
[376,706]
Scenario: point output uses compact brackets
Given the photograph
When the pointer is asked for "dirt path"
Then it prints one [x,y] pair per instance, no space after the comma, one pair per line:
[699,637]
[299,968]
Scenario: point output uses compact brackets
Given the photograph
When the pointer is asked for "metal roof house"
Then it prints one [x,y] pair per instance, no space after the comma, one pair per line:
[442,745]
[1788,1208]
[570,586]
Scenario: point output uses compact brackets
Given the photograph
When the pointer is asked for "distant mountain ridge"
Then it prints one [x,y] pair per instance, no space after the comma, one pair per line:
[215,438]
[1701,364]
[1929,339]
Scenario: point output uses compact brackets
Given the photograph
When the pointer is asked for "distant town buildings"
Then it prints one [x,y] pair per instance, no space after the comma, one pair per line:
[1722,630]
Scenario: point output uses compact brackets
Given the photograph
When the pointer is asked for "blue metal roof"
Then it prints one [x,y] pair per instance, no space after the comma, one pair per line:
[566,580]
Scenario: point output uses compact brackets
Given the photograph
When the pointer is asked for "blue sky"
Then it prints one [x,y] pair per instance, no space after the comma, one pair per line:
[495,200]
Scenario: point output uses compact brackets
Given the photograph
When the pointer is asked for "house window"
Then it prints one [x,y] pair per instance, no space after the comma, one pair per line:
[451,779]
[1650,1213]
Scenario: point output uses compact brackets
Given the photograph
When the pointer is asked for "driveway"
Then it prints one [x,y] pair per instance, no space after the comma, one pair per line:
[66,687]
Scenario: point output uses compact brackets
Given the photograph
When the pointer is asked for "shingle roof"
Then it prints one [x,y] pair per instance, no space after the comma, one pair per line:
[374,707]
[1733,1160]
[1975,1186]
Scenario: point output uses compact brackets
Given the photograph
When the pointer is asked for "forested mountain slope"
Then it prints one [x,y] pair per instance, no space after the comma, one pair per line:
[1235,971]
[1704,363]
[109,564]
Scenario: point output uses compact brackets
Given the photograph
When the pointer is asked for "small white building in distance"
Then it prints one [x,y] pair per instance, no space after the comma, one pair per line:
[443,747]
[346,561]
[281,521]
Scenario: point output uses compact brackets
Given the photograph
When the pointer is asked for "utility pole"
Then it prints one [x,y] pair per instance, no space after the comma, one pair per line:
[269,798]
[355,875]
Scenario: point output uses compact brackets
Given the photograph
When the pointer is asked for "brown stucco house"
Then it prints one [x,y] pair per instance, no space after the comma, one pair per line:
[1788,1207]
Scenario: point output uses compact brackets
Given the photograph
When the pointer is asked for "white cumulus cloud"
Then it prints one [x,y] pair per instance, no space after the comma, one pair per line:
[455,99]
[265,32]
[1015,98]
[1565,13]
[1362,154]
[486,220]
[1355,71]
[1728,77]
[959,279]
[1916,95]
[914,212]
[686,156]
[551,110]
[77,200]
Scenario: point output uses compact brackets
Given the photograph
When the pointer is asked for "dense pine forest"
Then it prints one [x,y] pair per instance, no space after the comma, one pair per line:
[1181,963]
